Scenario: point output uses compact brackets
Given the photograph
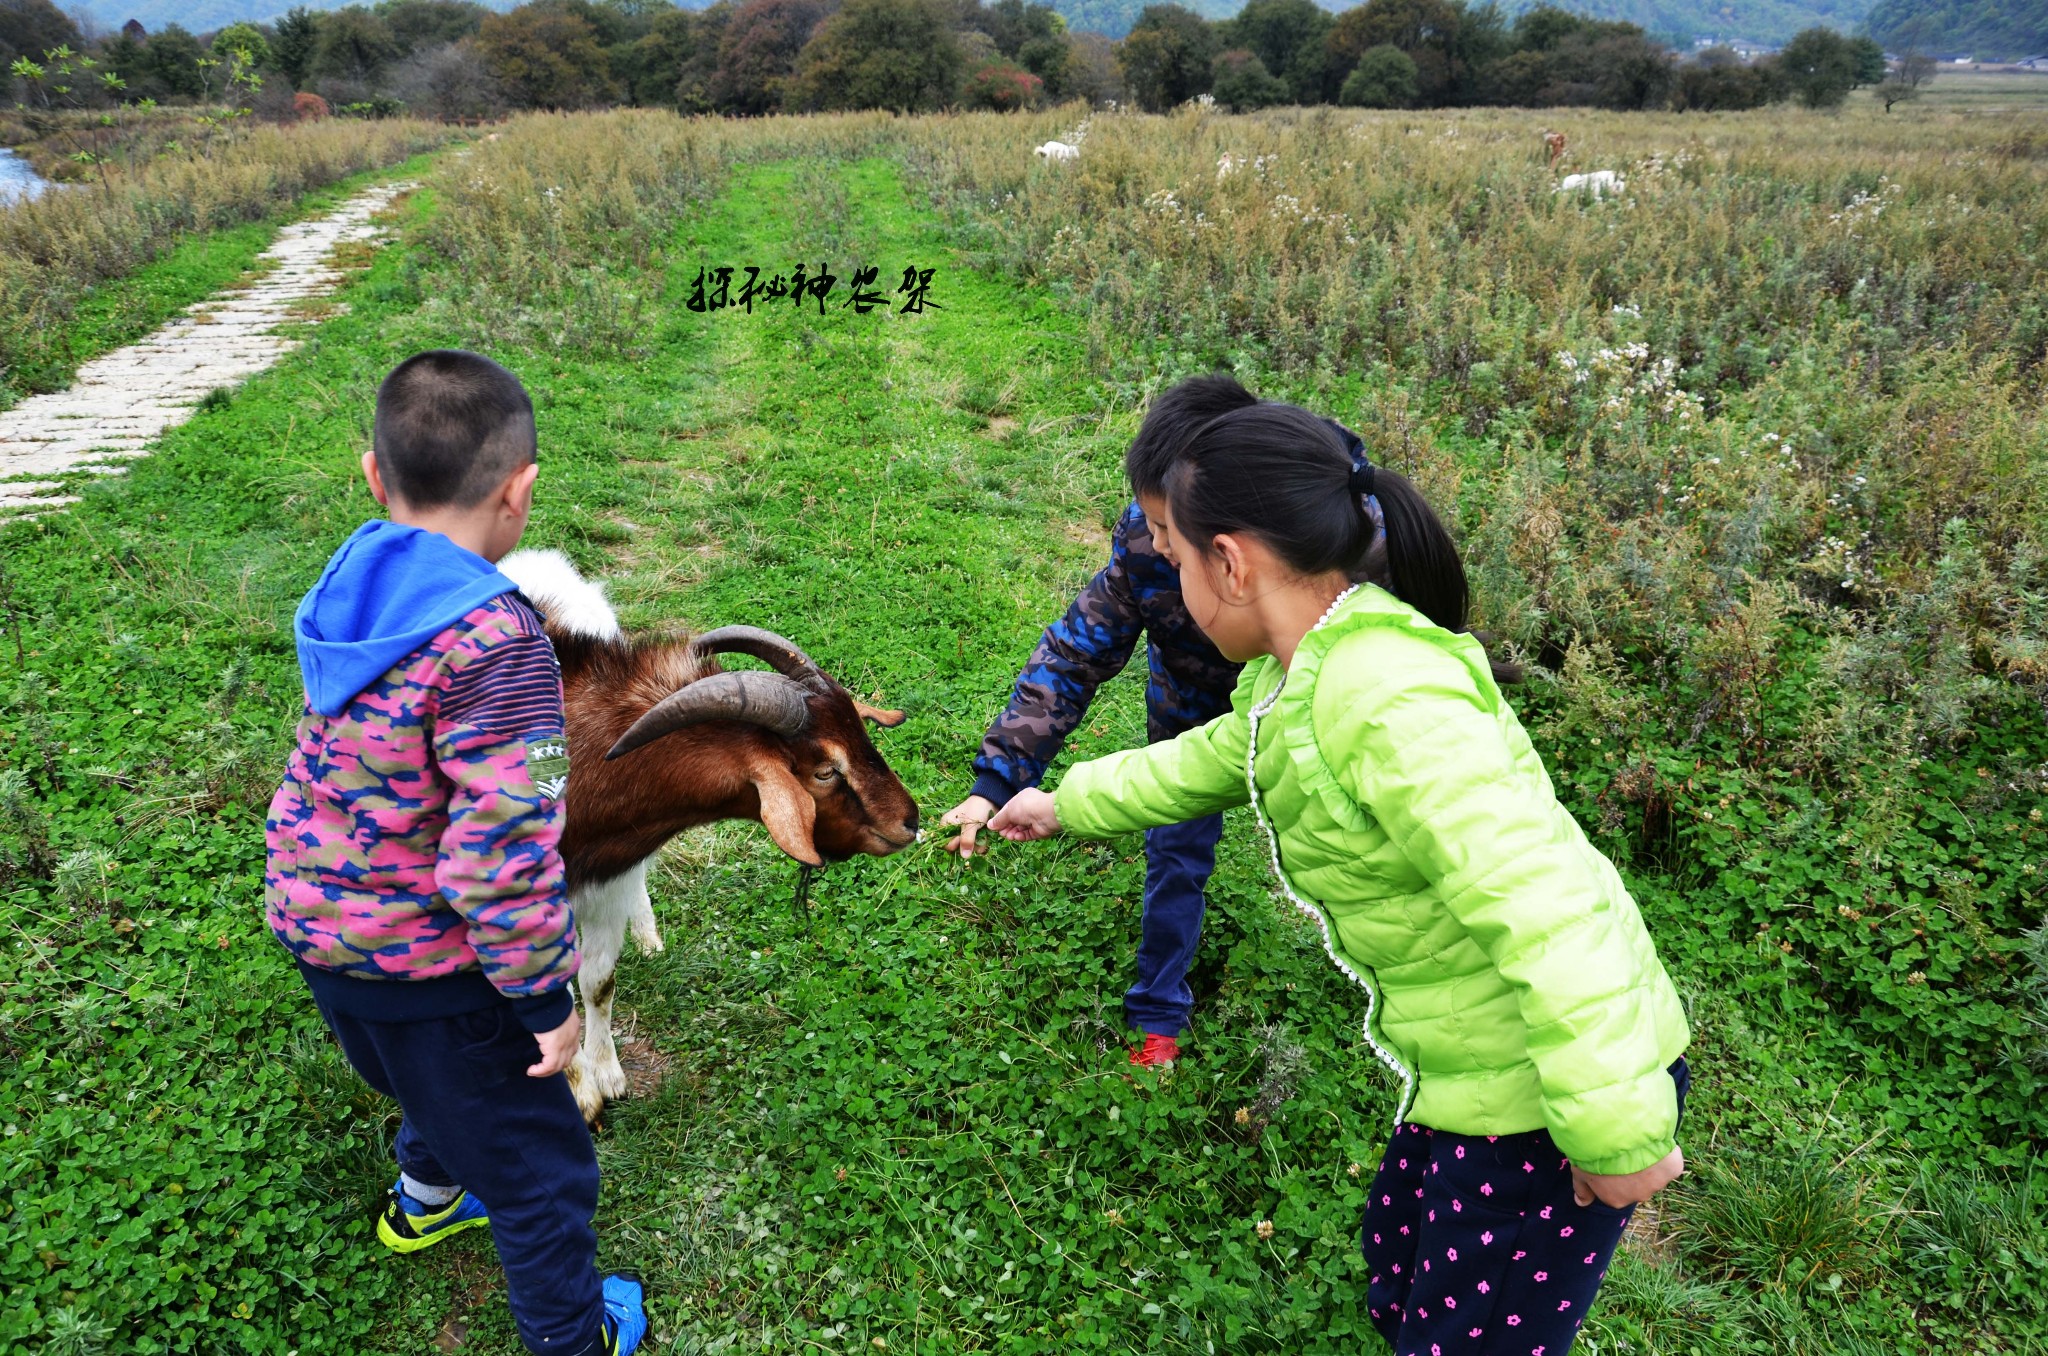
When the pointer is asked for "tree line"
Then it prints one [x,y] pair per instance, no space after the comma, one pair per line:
[455,59]
[1445,53]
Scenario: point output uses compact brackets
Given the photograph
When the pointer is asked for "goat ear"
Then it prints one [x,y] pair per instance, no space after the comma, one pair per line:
[888,720]
[787,810]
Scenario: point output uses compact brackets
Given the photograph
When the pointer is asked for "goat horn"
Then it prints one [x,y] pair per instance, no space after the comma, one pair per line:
[765,646]
[766,699]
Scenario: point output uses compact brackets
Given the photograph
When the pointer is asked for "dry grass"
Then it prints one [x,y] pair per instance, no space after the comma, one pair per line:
[54,250]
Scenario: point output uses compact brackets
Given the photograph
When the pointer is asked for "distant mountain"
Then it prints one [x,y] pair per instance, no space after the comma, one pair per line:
[1989,30]
[1679,22]
[205,16]
[1682,22]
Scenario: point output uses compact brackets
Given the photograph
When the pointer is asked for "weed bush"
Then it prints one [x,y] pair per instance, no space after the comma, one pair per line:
[1785,1220]
[1976,1239]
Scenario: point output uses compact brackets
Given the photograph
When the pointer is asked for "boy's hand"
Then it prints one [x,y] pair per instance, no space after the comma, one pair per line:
[1629,1189]
[1028,817]
[557,1048]
[969,816]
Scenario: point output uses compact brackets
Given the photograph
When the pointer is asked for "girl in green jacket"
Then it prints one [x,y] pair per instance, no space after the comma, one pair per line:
[1511,985]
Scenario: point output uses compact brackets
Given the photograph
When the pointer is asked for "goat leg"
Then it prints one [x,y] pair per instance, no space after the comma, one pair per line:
[602,914]
[640,915]
[601,1079]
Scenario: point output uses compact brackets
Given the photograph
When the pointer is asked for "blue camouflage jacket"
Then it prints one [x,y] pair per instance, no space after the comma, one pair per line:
[1138,591]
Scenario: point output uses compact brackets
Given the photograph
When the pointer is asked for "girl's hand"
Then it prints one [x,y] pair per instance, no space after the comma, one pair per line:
[1028,817]
[1629,1189]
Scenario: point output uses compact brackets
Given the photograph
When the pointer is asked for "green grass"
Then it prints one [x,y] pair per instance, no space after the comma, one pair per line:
[907,1121]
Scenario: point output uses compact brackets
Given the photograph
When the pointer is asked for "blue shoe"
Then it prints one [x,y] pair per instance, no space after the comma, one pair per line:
[408,1225]
[625,1313]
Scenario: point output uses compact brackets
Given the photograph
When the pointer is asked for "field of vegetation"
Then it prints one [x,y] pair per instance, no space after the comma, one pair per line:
[1986,91]
[1747,463]
[172,208]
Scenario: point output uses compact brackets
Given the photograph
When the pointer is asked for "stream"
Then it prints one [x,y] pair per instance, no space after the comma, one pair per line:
[18,182]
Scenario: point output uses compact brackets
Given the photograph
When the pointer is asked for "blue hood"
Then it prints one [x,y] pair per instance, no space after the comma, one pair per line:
[389,590]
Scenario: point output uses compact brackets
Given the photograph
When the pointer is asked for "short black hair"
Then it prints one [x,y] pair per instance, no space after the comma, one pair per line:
[1177,413]
[450,426]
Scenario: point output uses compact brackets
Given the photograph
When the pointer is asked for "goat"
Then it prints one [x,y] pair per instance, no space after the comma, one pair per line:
[1058,150]
[686,744]
[1599,183]
[1553,142]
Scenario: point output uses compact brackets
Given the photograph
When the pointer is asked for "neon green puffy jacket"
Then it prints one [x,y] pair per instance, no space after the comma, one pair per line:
[1511,983]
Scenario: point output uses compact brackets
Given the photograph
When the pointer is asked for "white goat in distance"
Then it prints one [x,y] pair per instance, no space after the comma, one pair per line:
[1600,183]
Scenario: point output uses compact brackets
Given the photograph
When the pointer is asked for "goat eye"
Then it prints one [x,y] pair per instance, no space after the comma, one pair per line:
[826,774]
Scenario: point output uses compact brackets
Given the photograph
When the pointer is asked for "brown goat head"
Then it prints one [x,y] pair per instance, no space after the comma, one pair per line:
[688,743]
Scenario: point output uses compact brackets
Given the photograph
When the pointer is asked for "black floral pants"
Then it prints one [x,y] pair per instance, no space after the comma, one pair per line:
[1476,1247]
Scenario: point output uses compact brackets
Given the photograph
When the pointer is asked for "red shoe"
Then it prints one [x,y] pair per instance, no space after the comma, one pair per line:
[1157,1052]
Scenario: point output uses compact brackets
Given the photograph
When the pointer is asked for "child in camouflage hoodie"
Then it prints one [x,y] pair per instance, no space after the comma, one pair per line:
[1136,594]
[412,866]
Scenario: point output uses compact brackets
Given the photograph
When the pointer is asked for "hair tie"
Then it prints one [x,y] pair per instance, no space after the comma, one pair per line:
[1363,486]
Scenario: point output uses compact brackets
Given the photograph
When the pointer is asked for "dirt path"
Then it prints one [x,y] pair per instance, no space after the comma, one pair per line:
[124,400]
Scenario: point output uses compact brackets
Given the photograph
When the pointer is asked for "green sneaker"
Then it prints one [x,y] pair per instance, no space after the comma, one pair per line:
[408,1225]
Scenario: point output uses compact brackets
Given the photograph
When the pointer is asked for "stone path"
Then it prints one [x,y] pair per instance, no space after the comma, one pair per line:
[121,402]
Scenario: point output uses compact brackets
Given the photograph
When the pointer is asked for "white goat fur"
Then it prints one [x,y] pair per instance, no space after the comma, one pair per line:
[606,910]
[1058,150]
[1599,183]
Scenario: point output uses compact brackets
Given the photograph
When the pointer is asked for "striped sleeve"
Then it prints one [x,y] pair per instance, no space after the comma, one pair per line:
[513,688]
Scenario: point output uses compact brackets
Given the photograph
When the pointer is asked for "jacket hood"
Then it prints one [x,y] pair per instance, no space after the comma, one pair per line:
[389,590]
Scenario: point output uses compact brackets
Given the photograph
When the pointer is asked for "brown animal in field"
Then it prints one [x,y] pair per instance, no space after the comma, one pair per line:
[1553,142]
[662,740]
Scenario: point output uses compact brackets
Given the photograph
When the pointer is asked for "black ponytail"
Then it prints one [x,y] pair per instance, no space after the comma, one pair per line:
[1286,476]
[1423,567]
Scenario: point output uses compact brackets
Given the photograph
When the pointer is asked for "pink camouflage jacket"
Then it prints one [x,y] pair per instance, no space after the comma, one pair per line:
[414,837]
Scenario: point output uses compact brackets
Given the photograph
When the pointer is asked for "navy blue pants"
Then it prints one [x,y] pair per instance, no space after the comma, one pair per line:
[1178,860]
[474,1119]
[1476,1247]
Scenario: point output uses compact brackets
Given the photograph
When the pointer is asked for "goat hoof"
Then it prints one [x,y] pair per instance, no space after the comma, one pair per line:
[610,1080]
[648,941]
[583,1087]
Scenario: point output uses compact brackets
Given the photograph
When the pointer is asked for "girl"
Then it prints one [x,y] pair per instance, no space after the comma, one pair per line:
[1511,985]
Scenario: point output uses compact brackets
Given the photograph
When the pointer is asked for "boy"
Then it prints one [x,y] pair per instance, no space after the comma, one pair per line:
[412,865]
[1190,684]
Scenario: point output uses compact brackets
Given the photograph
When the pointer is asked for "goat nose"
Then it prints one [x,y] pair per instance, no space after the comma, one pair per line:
[910,822]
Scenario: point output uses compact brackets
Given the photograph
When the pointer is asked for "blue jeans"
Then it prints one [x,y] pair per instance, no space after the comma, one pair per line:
[1178,860]
[474,1119]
